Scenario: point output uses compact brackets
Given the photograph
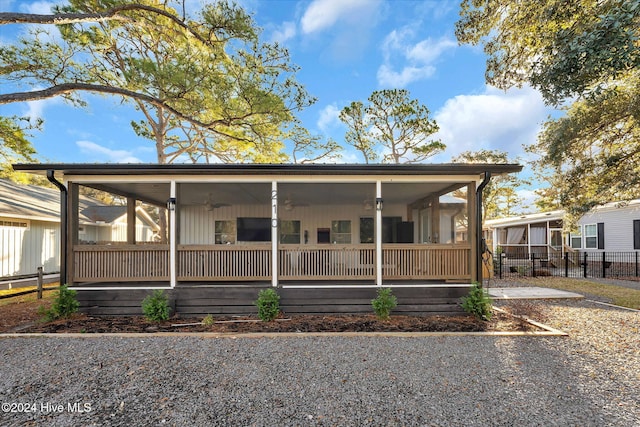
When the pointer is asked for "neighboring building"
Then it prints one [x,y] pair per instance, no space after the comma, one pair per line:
[614,227]
[325,235]
[30,227]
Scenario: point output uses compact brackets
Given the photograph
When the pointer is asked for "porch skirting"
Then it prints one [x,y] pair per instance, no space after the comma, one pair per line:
[198,301]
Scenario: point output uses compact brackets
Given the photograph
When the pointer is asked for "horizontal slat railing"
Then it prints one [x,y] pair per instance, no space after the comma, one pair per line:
[224,262]
[326,262]
[120,263]
[426,262]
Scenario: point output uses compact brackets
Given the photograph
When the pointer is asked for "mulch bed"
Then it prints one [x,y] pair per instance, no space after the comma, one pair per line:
[299,323]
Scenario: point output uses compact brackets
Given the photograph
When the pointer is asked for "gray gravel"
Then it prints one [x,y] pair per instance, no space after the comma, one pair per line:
[591,378]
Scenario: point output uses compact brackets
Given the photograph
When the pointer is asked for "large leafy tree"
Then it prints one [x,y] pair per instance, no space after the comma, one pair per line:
[206,87]
[500,197]
[392,127]
[585,54]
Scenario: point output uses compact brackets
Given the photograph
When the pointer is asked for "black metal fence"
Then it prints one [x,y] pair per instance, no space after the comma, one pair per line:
[571,264]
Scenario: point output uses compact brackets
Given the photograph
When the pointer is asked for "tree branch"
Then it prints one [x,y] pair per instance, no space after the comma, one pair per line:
[66,88]
[113,14]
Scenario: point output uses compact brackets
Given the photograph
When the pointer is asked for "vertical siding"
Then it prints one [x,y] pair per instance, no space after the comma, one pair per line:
[618,227]
[196,224]
[24,250]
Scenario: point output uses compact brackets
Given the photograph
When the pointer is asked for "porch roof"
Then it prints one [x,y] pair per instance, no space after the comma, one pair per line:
[270,169]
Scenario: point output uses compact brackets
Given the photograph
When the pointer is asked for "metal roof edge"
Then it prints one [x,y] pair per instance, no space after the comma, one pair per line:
[150,168]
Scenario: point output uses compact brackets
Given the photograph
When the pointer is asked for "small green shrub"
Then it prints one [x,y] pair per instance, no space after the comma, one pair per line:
[208,320]
[156,306]
[268,303]
[477,302]
[64,304]
[384,302]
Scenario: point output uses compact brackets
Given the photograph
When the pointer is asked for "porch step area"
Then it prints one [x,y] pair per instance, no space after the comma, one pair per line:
[222,300]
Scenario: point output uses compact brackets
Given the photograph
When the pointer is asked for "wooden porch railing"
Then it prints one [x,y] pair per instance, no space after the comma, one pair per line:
[224,262]
[426,262]
[327,262]
[120,263]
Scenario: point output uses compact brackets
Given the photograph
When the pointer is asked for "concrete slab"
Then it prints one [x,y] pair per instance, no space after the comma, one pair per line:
[532,292]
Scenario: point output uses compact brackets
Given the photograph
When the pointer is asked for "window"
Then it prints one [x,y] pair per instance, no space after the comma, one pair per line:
[636,234]
[225,232]
[366,230]
[16,223]
[341,231]
[594,236]
[290,232]
[591,236]
[254,229]
[575,238]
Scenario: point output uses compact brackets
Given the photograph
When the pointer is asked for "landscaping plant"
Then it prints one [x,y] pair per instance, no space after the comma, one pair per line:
[64,304]
[384,303]
[208,320]
[156,306]
[268,303]
[477,302]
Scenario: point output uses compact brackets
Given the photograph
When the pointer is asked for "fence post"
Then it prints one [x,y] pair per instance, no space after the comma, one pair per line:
[566,264]
[40,281]
[636,264]
[584,266]
[533,264]
[500,265]
[604,269]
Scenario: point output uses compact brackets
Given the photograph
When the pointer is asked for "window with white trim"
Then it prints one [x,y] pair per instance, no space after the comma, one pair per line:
[225,232]
[591,236]
[575,238]
[341,231]
[290,231]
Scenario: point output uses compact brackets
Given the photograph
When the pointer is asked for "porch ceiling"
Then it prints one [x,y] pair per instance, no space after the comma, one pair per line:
[259,193]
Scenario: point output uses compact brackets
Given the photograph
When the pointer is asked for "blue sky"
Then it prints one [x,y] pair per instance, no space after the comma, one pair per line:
[346,49]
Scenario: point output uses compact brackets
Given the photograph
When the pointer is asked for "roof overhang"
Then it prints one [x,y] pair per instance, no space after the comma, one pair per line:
[269,169]
[335,184]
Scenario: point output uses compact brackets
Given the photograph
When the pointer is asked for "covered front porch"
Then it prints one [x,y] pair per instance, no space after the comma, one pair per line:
[323,230]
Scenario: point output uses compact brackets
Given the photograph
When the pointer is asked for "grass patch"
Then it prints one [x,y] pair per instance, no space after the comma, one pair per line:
[9,292]
[619,295]
[47,294]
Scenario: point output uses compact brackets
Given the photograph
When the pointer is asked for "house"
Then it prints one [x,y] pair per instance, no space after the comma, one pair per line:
[30,227]
[326,236]
[604,243]
[614,227]
[520,236]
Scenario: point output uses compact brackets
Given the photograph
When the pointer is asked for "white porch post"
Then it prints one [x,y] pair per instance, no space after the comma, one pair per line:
[173,227]
[274,233]
[378,234]
[529,239]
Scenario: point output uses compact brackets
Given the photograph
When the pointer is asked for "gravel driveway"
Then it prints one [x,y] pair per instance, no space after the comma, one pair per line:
[591,378]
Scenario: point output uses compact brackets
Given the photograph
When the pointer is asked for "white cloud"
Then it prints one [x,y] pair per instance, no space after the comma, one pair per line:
[415,60]
[35,109]
[323,14]
[285,32]
[329,118]
[100,153]
[491,120]
[39,7]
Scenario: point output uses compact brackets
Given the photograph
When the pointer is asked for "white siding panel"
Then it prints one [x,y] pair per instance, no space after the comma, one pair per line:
[24,250]
[196,224]
[618,227]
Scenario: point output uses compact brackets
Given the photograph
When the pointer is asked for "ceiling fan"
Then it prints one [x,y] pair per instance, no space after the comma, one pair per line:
[210,204]
[289,204]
